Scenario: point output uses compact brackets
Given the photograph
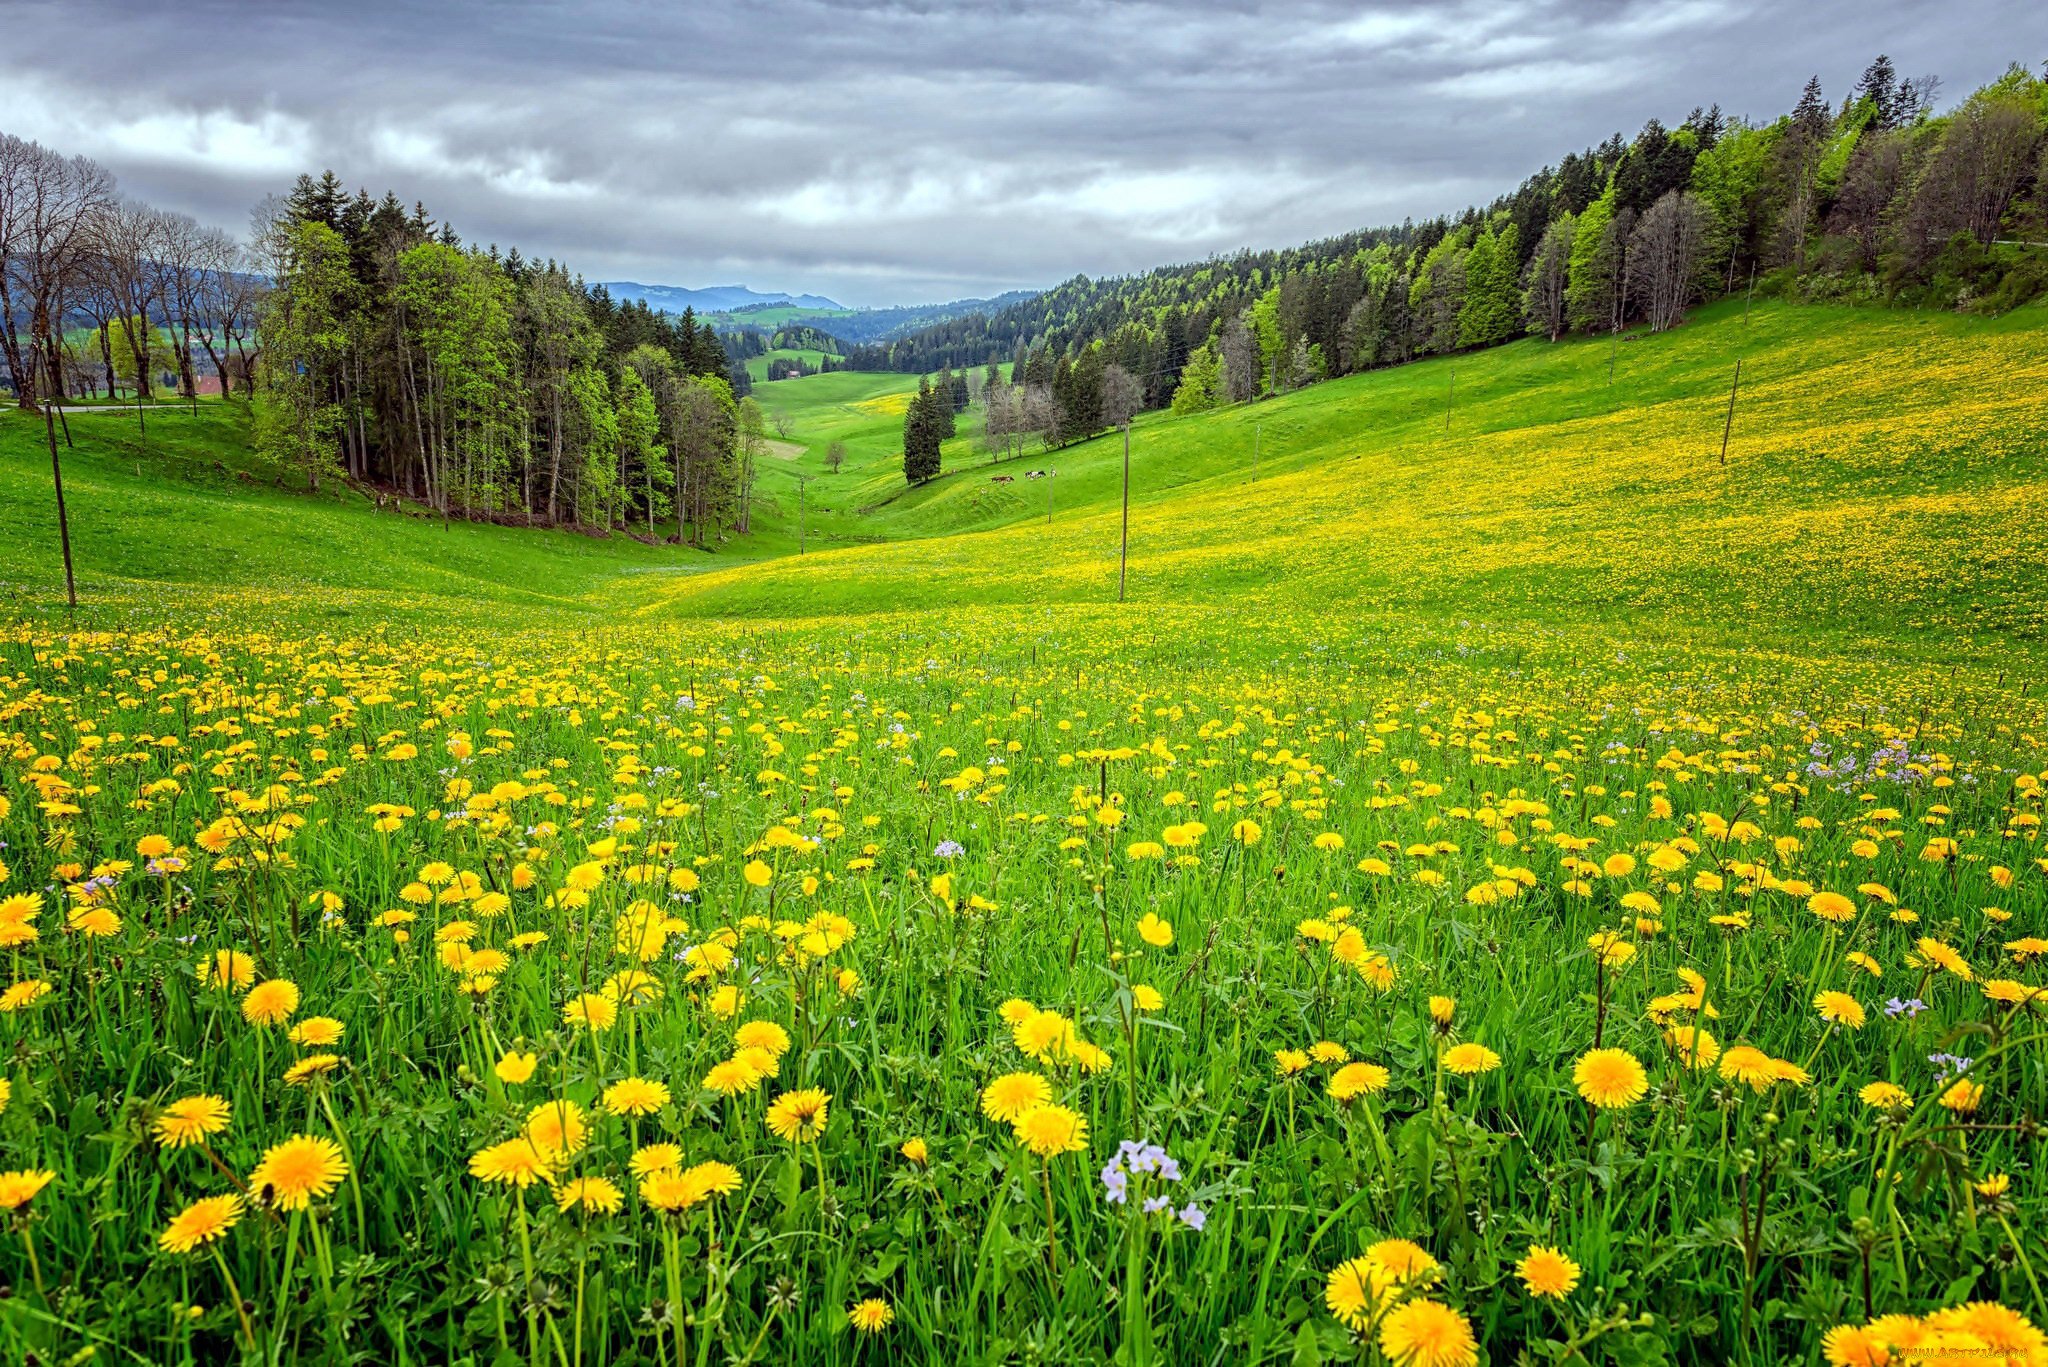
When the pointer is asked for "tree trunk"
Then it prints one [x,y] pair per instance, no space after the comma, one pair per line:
[10,347]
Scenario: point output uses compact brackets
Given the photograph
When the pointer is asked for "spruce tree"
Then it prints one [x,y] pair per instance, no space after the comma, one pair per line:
[921,437]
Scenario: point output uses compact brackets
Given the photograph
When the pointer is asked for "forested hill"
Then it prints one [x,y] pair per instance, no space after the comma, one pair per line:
[886,324]
[1876,196]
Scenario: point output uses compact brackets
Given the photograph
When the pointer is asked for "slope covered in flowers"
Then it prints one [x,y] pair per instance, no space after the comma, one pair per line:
[1538,897]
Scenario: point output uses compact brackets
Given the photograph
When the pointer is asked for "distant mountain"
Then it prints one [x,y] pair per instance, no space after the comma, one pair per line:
[886,325]
[712,299]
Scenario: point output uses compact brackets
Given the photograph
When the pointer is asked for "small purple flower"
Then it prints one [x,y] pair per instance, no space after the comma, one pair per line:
[949,849]
[1194,1217]
[1910,1007]
[1115,1181]
[1155,1204]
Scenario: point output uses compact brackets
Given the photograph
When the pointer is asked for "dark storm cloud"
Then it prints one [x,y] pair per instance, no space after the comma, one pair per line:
[897,152]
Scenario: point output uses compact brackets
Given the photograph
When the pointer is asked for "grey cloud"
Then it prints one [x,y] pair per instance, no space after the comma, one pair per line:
[897,152]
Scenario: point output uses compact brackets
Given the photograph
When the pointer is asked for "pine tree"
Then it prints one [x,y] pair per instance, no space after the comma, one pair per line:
[921,437]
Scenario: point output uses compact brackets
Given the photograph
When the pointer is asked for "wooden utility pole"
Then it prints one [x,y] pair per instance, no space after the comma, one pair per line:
[801,482]
[1123,555]
[1050,476]
[1729,426]
[1450,401]
[51,407]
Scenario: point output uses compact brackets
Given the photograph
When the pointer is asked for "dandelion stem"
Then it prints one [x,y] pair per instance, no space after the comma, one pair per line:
[28,1242]
[235,1295]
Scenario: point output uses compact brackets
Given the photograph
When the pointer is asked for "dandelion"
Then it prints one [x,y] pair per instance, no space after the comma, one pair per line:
[652,1158]
[310,1067]
[1359,1288]
[799,1117]
[300,1169]
[557,1127]
[200,1223]
[714,1179]
[1831,906]
[1839,1008]
[271,1002]
[635,1096]
[593,1011]
[766,1035]
[1426,1333]
[596,1194]
[1547,1272]
[23,994]
[1610,1078]
[190,1120]
[229,968]
[1012,1094]
[320,1031]
[1848,1345]
[733,1076]
[1469,1059]
[1963,1096]
[1355,1080]
[1050,1130]
[19,1187]
[515,1163]
[871,1316]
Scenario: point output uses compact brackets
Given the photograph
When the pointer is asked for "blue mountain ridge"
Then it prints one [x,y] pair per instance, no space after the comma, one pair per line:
[711,299]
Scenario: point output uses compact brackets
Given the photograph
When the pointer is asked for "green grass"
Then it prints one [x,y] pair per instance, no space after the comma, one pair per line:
[188,510]
[1487,689]
[772,317]
[1884,473]
[757,366]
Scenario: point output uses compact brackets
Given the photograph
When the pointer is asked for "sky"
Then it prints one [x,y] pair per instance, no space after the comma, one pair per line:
[917,152]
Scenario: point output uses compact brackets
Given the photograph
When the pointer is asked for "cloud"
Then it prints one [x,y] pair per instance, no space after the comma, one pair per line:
[886,151]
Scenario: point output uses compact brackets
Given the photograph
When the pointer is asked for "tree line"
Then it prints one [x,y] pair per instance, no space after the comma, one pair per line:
[97,288]
[487,384]
[372,345]
[1876,198]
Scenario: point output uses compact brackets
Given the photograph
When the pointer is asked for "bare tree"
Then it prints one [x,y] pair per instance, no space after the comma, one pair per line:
[96,297]
[184,256]
[220,288]
[1038,415]
[58,207]
[1546,281]
[1240,352]
[996,415]
[1122,395]
[1664,256]
[131,245]
[15,156]
[1985,155]
[780,421]
[1880,167]
[1356,344]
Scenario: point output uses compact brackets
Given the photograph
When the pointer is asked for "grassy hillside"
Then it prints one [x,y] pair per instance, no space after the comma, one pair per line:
[1886,474]
[1536,885]
[757,366]
[185,513]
